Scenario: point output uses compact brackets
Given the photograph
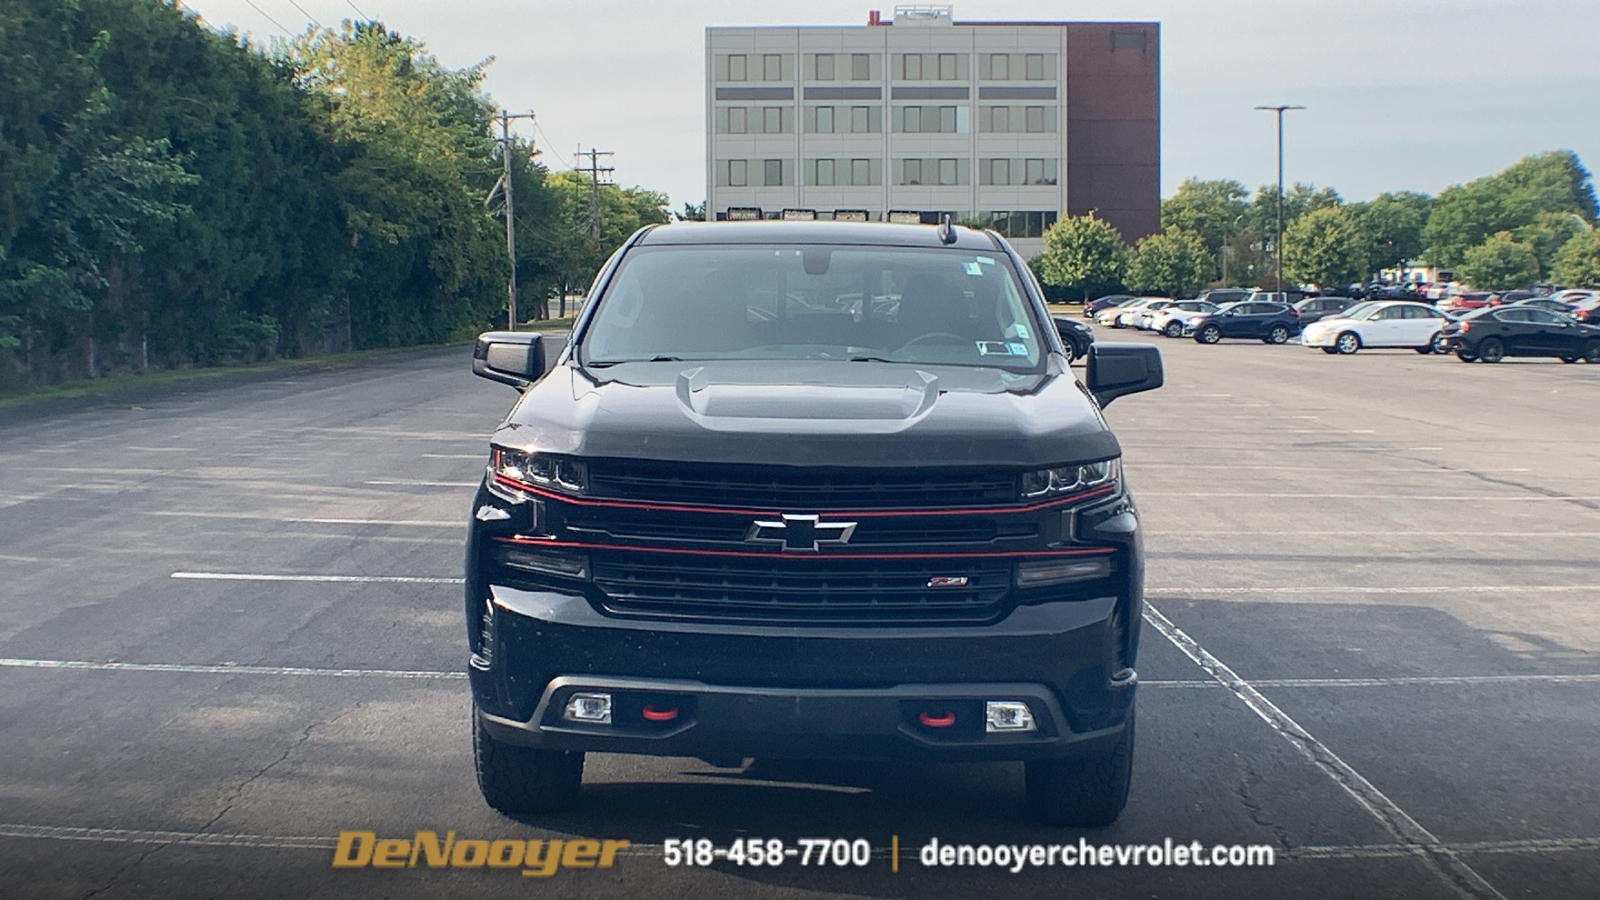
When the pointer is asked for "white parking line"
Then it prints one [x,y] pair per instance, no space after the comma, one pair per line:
[1319,495]
[1378,851]
[331,579]
[1395,681]
[1441,858]
[249,517]
[1511,589]
[228,669]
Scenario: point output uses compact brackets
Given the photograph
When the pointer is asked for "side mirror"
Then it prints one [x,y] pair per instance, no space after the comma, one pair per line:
[509,357]
[1118,369]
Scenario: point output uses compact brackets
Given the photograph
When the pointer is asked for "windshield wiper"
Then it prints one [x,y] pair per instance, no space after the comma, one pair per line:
[871,359]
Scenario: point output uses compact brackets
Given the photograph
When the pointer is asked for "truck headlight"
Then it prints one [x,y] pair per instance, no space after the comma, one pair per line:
[1069,479]
[554,473]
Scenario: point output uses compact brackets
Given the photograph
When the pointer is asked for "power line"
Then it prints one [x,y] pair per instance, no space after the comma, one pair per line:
[552,145]
[306,14]
[358,10]
[269,18]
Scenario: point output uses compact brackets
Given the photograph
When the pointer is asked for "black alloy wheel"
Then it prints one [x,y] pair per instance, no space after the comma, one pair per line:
[1491,350]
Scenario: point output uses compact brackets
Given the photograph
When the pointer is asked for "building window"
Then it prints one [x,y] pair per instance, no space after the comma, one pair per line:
[824,120]
[772,67]
[1000,68]
[913,172]
[1000,119]
[999,171]
[860,67]
[736,120]
[1035,115]
[860,171]
[947,171]
[1034,67]
[1029,223]
[947,67]
[824,66]
[1128,40]
[773,174]
[738,174]
[947,119]
[911,67]
[737,67]
[865,119]
[911,117]
[772,120]
[822,172]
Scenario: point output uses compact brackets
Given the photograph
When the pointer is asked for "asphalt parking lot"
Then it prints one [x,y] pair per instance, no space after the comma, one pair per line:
[230,629]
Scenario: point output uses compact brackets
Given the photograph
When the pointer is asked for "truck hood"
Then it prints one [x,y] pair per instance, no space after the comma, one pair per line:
[810,413]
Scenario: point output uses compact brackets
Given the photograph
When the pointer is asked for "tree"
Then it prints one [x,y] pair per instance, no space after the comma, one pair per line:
[1500,263]
[1172,262]
[1084,254]
[693,212]
[1213,210]
[1324,247]
[1392,226]
[1465,216]
[1578,260]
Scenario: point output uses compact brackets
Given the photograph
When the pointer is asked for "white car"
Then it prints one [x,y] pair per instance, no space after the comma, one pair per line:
[1123,316]
[1377,323]
[1170,319]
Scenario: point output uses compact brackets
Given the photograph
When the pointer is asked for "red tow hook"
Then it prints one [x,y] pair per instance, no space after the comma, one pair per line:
[662,715]
[944,721]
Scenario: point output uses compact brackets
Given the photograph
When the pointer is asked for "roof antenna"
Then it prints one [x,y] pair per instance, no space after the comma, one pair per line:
[947,231]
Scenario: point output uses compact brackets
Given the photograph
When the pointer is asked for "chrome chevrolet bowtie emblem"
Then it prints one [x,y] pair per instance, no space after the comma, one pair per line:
[805,534]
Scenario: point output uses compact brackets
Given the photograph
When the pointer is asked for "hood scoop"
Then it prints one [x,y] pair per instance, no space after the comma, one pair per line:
[791,396]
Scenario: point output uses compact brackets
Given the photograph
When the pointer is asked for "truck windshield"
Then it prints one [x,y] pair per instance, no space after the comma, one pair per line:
[924,306]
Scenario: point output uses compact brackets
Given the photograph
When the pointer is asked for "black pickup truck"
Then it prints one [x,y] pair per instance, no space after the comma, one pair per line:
[807,490]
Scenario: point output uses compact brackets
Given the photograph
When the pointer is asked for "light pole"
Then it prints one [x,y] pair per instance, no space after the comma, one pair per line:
[1278,245]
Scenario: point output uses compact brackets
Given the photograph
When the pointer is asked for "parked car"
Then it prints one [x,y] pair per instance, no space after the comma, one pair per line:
[1493,334]
[1287,298]
[1169,320]
[1219,296]
[1093,307]
[1313,309]
[1550,303]
[1465,300]
[1587,311]
[1076,337]
[1134,316]
[1274,323]
[1506,298]
[1377,323]
[1112,315]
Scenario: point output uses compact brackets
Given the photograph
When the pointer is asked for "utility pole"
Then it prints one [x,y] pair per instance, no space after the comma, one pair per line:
[595,171]
[511,219]
[1280,110]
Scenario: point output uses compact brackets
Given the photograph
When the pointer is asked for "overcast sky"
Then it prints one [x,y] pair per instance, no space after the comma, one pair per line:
[1401,94]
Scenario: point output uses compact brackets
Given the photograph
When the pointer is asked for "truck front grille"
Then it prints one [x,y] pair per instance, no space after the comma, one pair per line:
[768,487]
[809,590]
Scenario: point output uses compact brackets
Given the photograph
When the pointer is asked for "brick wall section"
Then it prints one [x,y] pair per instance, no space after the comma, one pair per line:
[1113,127]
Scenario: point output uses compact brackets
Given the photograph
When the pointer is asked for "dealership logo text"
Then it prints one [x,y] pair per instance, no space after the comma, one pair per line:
[537,859]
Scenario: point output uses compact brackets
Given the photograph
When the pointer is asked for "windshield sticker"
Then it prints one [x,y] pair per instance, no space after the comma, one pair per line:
[1000,348]
[986,260]
[974,269]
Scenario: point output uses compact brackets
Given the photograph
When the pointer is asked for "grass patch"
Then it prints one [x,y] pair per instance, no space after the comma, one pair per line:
[110,384]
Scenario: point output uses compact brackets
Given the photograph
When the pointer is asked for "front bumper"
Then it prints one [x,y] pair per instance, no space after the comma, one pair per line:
[846,692]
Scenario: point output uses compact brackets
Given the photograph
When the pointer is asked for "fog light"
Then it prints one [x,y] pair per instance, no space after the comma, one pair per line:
[1061,571]
[594,709]
[548,562]
[1007,715]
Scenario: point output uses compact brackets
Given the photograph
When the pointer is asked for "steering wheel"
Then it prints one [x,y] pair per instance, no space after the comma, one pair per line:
[931,336]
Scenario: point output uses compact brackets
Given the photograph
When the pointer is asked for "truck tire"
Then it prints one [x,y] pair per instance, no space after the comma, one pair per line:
[1082,791]
[516,779]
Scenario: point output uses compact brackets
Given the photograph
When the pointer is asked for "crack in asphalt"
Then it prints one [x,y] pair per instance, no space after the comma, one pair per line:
[1254,809]
[1591,505]
[228,805]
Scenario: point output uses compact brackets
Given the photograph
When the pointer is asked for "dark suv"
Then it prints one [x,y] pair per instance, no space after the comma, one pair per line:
[807,490]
